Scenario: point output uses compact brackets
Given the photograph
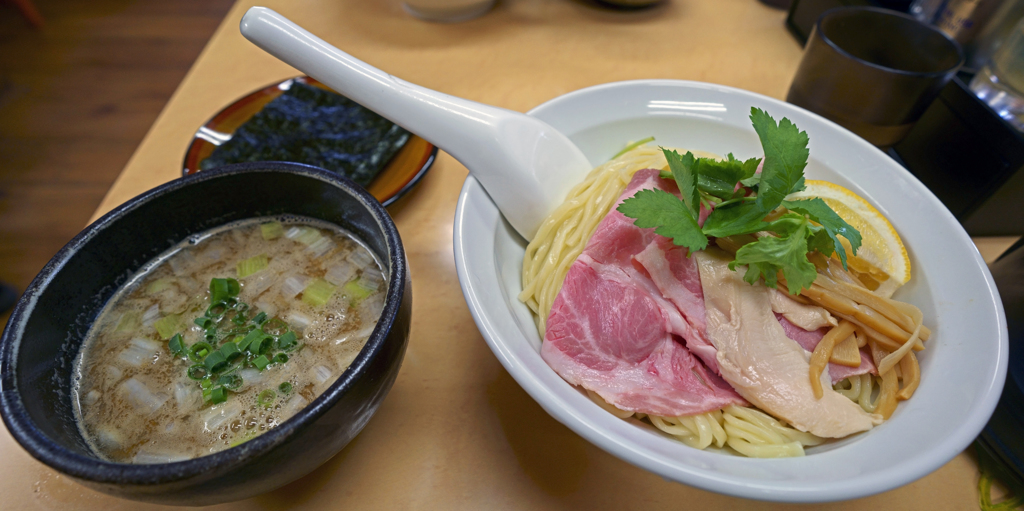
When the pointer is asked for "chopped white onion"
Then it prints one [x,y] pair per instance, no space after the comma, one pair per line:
[141,397]
[294,285]
[92,397]
[360,258]
[187,396]
[356,335]
[214,252]
[340,273]
[268,307]
[370,307]
[292,406]
[108,438]
[372,279]
[220,414]
[297,320]
[250,377]
[256,285]
[113,373]
[182,262]
[305,235]
[321,373]
[151,315]
[139,351]
[321,246]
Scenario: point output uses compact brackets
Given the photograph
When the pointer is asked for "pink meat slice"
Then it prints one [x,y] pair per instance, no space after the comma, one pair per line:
[627,306]
[809,340]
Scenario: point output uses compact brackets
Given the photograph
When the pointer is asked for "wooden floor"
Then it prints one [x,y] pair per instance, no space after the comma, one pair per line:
[76,98]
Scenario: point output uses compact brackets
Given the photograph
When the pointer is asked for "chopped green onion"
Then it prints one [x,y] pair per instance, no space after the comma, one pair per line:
[230,351]
[168,325]
[203,322]
[286,341]
[285,387]
[260,318]
[280,358]
[218,395]
[199,351]
[271,230]
[222,289]
[318,292]
[248,339]
[215,362]
[261,363]
[356,291]
[266,398]
[129,322]
[159,285]
[197,372]
[252,265]
[216,310]
[207,382]
[177,346]
[260,345]
[230,381]
[275,327]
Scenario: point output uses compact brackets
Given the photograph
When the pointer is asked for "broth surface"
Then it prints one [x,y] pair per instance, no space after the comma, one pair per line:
[136,401]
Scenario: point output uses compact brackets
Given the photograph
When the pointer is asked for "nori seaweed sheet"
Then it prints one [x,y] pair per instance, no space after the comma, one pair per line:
[310,125]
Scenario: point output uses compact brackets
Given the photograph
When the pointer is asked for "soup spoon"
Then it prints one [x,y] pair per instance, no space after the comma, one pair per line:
[526,166]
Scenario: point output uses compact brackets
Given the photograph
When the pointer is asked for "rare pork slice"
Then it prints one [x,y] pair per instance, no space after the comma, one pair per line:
[764,365]
[628,310]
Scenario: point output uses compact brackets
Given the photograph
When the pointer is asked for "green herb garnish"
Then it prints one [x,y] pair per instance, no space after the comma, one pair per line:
[745,203]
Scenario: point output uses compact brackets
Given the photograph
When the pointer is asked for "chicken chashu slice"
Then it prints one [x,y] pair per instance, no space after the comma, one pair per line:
[761,363]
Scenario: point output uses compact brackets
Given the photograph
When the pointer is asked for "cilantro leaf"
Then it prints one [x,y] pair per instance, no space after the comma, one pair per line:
[817,210]
[671,217]
[719,177]
[739,218]
[785,156]
[768,255]
[751,181]
[684,171]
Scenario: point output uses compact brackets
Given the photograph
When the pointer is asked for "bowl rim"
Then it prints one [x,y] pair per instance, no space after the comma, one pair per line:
[94,469]
[600,436]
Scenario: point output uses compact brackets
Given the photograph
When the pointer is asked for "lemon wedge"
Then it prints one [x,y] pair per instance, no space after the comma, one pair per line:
[882,261]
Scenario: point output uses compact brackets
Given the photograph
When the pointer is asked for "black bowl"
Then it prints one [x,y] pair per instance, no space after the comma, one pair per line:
[48,325]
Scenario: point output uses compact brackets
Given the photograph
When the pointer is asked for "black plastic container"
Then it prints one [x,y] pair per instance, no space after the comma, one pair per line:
[48,325]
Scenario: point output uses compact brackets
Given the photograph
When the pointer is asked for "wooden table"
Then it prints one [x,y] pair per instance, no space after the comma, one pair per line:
[456,431]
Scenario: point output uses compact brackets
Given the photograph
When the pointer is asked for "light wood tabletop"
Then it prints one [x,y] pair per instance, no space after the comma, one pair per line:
[456,431]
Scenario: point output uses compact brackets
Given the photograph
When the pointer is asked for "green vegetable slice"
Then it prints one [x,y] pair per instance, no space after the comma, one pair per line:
[254,264]
[271,230]
[168,325]
[318,292]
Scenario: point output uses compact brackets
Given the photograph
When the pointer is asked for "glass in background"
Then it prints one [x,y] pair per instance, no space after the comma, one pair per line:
[873,71]
[1000,83]
[978,25]
[447,11]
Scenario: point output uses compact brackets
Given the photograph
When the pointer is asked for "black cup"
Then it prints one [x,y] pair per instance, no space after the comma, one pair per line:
[873,71]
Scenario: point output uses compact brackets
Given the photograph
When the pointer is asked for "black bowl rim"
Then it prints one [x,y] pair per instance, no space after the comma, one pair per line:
[93,469]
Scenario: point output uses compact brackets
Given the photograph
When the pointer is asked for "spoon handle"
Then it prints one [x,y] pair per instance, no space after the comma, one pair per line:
[525,165]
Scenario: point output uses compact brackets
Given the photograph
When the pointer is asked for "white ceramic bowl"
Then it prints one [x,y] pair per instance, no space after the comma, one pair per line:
[963,367]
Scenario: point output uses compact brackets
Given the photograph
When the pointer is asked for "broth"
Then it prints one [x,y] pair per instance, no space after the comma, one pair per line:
[147,390]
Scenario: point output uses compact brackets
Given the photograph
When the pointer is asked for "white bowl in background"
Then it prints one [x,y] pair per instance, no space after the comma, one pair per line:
[963,367]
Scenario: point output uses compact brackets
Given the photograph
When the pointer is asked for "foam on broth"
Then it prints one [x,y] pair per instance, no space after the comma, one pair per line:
[133,399]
